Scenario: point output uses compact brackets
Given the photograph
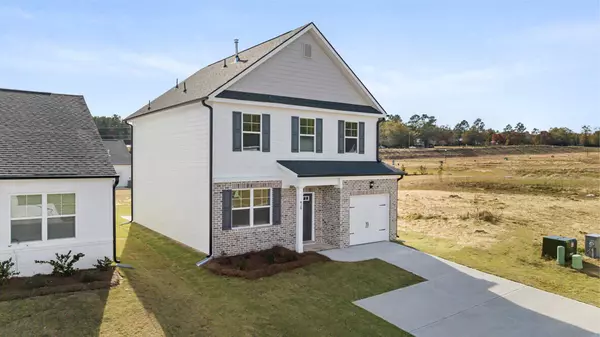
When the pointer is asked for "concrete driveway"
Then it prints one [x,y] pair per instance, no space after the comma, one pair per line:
[460,301]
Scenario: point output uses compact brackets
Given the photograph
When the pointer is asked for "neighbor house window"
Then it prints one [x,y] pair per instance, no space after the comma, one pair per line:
[38,217]
[351,137]
[251,132]
[251,207]
[307,135]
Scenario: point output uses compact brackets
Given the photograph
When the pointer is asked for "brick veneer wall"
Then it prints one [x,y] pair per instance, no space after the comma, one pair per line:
[361,187]
[242,240]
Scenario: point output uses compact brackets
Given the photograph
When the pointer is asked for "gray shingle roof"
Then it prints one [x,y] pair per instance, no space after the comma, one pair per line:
[212,77]
[49,135]
[117,150]
[319,168]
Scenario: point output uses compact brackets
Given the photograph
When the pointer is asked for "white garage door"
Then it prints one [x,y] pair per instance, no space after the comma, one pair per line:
[369,218]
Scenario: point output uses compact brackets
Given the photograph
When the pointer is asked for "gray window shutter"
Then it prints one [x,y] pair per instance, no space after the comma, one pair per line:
[361,137]
[340,136]
[319,135]
[237,131]
[277,206]
[226,217]
[266,133]
[295,133]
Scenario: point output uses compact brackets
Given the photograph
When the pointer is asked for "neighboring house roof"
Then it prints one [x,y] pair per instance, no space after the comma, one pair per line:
[117,150]
[215,78]
[316,168]
[49,135]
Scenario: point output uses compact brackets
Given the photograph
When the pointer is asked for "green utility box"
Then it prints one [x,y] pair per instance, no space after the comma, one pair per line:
[549,244]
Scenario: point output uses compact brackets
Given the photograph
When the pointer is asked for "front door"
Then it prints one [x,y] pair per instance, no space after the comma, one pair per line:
[307,211]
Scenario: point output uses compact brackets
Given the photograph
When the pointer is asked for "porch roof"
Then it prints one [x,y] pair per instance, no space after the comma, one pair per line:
[319,168]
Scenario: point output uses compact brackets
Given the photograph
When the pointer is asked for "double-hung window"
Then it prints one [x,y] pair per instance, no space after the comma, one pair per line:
[251,207]
[251,132]
[307,135]
[351,137]
[37,217]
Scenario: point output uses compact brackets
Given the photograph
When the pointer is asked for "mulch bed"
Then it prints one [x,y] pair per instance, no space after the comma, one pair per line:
[263,263]
[39,285]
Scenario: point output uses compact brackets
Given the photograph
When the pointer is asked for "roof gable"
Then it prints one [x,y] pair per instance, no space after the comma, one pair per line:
[49,135]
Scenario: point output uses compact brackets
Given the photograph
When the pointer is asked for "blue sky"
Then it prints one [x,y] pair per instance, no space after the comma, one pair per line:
[536,62]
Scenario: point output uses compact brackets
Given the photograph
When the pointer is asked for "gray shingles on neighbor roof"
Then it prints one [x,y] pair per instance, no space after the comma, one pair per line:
[318,168]
[117,150]
[210,78]
[49,135]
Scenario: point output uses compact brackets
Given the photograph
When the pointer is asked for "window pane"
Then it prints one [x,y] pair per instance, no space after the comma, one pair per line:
[241,198]
[251,141]
[247,118]
[68,209]
[256,119]
[18,206]
[68,199]
[261,197]
[34,205]
[262,216]
[54,204]
[240,217]
[60,228]
[351,129]
[307,144]
[351,144]
[26,230]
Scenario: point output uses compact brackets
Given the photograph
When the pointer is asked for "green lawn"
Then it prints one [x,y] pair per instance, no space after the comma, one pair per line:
[167,295]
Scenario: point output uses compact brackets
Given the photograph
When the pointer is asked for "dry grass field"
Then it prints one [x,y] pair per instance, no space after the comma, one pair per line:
[491,212]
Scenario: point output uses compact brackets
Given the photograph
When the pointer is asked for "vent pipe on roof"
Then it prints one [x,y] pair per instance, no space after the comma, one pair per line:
[176,83]
[237,57]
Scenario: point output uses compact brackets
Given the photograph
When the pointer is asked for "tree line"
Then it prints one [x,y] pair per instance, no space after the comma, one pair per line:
[113,127]
[422,130]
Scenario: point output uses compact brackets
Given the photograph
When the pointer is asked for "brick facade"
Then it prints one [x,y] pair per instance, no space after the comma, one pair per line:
[331,220]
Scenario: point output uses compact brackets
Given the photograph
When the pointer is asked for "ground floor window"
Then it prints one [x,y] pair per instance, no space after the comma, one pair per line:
[251,207]
[39,217]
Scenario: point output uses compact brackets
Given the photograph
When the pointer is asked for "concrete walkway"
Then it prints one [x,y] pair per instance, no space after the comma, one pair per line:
[460,301]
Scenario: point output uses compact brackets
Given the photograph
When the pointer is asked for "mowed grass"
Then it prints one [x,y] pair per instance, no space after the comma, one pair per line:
[490,213]
[166,294]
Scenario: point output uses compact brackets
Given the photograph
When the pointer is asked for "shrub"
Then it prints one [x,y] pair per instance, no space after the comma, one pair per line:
[423,169]
[63,265]
[104,264]
[403,168]
[6,271]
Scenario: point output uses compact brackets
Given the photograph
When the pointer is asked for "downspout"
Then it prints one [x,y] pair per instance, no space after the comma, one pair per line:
[210,181]
[377,149]
[114,204]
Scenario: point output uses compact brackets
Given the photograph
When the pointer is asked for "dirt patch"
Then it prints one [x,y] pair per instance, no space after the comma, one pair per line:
[263,263]
[39,285]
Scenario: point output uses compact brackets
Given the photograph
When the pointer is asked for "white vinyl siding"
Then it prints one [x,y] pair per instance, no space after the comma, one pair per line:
[93,212]
[170,172]
[290,73]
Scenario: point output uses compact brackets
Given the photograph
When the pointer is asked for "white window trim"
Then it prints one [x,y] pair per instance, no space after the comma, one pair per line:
[350,137]
[44,218]
[259,133]
[300,135]
[252,207]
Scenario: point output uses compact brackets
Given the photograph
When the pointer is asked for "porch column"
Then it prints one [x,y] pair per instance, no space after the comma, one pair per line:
[299,219]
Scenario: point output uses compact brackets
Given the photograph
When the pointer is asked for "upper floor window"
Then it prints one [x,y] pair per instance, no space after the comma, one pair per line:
[251,132]
[307,135]
[351,137]
[37,217]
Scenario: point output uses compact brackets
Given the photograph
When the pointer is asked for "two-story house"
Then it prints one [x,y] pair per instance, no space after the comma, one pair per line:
[274,145]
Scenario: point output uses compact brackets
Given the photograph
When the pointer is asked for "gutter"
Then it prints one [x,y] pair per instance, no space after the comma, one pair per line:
[114,225]
[132,183]
[210,181]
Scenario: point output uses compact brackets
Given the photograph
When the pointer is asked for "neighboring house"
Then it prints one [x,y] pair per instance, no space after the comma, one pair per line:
[121,160]
[56,181]
[274,145]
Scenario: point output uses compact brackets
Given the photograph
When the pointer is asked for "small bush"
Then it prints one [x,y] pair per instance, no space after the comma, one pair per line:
[423,170]
[104,264]
[6,271]
[63,265]
[403,168]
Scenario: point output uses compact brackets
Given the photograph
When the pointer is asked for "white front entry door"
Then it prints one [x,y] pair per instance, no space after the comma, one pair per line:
[369,218]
